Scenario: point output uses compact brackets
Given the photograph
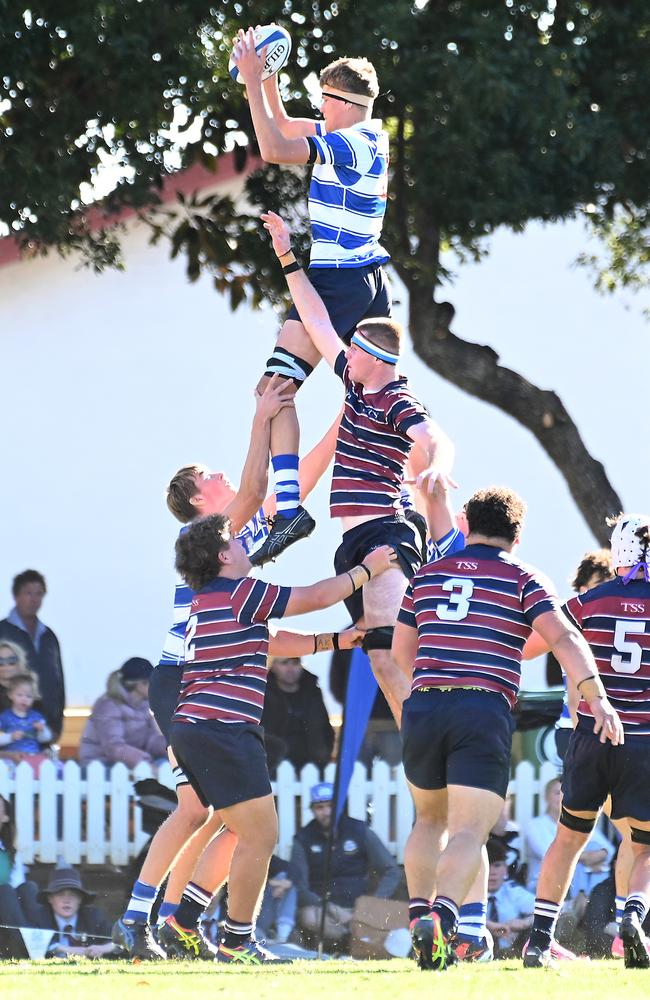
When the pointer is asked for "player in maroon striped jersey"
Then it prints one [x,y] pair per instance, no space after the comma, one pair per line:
[382,422]
[459,637]
[215,733]
[614,618]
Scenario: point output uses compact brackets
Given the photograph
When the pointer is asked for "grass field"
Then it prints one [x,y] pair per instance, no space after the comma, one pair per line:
[68,980]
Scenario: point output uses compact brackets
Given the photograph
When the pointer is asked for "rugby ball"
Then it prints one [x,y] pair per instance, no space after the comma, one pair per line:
[277,41]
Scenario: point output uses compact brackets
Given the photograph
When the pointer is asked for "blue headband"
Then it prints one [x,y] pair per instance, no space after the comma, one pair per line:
[369,348]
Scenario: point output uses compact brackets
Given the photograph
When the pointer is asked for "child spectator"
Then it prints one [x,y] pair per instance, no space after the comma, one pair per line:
[121,726]
[81,928]
[13,660]
[23,730]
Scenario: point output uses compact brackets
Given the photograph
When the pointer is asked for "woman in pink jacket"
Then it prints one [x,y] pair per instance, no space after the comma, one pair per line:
[121,727]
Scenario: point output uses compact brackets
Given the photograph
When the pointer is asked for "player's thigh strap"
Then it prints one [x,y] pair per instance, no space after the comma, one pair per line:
[577,823]
[640,836]
[288,365]
[180,778]
[378,638]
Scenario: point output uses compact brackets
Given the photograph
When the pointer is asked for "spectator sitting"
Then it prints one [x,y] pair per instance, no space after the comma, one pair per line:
[594,860]
[507,833]
[296,724]
[277,916]
[12,661]
[121,727]
[23,627]
[65,909]
[23,730]
[12,884]
[357,856]
[510,906]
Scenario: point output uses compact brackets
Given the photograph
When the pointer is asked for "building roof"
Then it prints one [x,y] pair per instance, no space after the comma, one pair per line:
[187,182]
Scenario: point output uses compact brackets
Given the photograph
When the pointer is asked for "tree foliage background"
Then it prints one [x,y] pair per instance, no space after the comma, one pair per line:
[499,113]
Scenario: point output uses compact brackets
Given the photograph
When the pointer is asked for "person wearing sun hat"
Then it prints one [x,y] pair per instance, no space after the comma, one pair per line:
[65,907]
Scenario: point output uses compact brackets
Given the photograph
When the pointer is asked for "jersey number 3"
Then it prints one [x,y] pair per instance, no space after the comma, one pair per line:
[630,662]
[457,606]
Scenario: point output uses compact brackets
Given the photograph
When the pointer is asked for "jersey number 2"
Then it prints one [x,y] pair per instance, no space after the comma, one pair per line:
[630,649]
[192,622]
[457,606]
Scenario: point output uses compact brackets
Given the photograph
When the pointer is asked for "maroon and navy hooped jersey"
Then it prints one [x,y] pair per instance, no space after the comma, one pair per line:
[473,612]
[615,620]
[372,446]
[226,646]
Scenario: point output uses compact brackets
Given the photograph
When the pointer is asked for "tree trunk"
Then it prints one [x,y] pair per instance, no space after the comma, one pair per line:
[476,369]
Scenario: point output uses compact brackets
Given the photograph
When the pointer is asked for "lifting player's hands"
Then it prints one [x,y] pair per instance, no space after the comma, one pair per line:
[607,722]
[434,482]
[380,559]
[351,637]
[278,394]
[249,62]
[279,232]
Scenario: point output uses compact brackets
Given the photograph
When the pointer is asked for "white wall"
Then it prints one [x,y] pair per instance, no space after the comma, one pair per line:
[111,382]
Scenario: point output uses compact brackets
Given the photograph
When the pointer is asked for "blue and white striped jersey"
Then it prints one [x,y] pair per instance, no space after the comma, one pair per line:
[252,535]
[347,196]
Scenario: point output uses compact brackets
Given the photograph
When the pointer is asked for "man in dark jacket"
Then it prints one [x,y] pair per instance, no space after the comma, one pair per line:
[296,724]
[358,857]
[23,626]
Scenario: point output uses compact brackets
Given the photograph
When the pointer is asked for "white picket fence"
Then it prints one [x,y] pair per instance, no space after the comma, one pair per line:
[93,817]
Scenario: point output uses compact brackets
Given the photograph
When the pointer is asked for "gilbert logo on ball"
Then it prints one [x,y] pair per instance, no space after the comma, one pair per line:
[277,42]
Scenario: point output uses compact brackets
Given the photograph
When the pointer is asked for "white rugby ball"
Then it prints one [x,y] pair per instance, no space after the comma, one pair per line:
[278,46]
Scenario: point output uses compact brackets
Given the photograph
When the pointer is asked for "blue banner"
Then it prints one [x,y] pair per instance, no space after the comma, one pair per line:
[360,694]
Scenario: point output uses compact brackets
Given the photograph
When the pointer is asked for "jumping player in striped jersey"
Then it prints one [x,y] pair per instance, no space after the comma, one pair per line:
[382,421]
[614,618]
[347,202]
[459,639]
[196,492]
[215,732]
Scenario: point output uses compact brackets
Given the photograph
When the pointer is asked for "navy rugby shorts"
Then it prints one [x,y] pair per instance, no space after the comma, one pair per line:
[594,770]
[350,294]
[457,736]
[224,762]
[396,530]
[164,689]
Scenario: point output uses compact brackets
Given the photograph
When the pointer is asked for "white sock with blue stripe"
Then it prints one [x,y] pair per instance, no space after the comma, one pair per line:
[472,921]
[141,903]
[287,487]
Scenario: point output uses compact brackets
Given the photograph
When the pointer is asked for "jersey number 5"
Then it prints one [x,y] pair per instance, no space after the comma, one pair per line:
[192,622]
[457,607]
[629,649]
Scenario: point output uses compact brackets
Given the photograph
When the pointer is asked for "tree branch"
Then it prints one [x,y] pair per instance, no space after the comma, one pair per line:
[476,369]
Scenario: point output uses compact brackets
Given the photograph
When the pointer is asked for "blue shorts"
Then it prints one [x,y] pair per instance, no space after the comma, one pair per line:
[164,689]
[224,762]
[350,295]
[562,737]
[594,770]
[457,737]
[396,530]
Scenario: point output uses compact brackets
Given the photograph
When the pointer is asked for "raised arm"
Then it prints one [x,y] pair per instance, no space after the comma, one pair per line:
[437,451]
[285,643]
[325,593]
[291,128]
[254,478]
[310,306]
[274,147]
